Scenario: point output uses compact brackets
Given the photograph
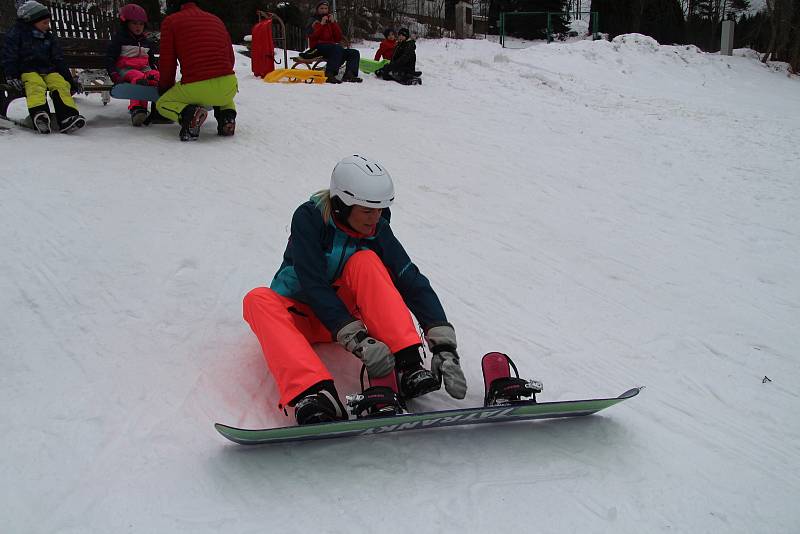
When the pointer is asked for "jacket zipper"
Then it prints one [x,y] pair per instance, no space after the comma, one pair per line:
[341,258]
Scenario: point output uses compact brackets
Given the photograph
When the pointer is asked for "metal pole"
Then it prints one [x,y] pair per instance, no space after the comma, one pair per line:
[502,29]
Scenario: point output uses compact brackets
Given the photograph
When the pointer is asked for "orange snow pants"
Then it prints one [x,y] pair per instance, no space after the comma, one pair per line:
[286,328]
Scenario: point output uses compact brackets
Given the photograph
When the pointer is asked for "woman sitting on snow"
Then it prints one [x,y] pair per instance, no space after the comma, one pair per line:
[132,57]
[346,277]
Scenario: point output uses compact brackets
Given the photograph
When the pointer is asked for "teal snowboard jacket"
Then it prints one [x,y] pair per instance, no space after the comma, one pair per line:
[317,253]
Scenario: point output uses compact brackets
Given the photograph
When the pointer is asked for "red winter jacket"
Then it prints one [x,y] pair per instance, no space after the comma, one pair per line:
[199,41]
[320,33]
[386,49]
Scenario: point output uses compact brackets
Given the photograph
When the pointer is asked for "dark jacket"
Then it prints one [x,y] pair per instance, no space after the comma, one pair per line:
[29,50]
[405,57]
[129,51]
[199,41]
[315,257]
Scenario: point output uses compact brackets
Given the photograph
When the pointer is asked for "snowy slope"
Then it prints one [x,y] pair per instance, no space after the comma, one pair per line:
[609,214]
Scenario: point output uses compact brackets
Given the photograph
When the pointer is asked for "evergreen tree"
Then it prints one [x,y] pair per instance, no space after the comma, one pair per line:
[534,26]
[663,21]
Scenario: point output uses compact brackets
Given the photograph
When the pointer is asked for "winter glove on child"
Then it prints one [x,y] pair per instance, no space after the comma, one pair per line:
[445,364]
[376,356]
[16,84]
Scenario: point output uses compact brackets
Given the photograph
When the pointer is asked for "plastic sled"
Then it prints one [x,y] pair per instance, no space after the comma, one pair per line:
[295,76]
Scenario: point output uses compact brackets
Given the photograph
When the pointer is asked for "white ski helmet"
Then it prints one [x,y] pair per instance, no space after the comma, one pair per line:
[360,180]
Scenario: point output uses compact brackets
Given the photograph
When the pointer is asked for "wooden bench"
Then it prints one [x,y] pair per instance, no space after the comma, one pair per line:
[84,35]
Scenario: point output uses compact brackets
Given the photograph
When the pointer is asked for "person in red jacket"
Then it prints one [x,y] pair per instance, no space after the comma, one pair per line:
[199,41]
[324,35]
[386,49]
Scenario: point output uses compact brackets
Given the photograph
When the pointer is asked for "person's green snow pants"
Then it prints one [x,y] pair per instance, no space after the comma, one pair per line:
[216,92]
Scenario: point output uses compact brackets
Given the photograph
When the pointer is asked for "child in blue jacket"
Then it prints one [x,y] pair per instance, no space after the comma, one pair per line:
[34,64]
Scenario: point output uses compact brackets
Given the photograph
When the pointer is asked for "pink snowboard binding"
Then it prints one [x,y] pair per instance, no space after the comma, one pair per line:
[381,399]
[500,386]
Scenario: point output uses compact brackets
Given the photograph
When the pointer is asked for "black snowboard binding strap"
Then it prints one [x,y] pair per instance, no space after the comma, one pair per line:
[500,386]
[375,401]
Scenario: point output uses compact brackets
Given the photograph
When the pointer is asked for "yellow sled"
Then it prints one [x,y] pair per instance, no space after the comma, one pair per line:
[295,76]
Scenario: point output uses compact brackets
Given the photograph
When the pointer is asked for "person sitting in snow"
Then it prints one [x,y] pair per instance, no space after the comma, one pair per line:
[387,46]
[203,46]
[346,277]
[132,57]
[34,64]
[404,61]
[324,37]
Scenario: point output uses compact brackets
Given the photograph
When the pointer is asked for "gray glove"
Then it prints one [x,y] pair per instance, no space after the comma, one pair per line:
[445,364]
[376,356]
[16,84]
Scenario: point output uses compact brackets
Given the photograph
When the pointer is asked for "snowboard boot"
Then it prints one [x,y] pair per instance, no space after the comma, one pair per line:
[72,123]
[191,119]
[318,404]
[500,386]
[414,379]
[41,122]
[138,116]
[226,121]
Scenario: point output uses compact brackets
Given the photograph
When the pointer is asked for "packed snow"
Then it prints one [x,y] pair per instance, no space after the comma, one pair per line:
[609,214]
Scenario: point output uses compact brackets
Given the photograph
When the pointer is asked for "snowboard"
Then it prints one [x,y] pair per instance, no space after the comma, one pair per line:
[501,413]
[130,91]
[7,122]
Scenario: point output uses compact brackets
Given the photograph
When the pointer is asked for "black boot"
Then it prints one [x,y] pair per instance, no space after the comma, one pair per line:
[226,121]
[40,119]
[156,118]
[318,404]
[413,379]
[72,123]
[191,119]
[69,119]
[138,116]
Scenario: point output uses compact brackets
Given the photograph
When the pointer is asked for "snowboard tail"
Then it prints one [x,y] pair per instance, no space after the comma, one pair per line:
[519,411]
[130,91]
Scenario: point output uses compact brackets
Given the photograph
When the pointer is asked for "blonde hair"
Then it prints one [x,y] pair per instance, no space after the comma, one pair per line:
[322,200]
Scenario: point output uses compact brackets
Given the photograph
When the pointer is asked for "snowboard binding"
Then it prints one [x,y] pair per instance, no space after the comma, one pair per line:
[378,400]
[502,388]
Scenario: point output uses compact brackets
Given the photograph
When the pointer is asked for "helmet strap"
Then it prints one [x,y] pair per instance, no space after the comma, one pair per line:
[341,211]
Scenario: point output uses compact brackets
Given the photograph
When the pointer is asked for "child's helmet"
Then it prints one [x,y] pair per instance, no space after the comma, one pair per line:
[32,12]
[359,180]
[387,31]
[132,13]
[404,32]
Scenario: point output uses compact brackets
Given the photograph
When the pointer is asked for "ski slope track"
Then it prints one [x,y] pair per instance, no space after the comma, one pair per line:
[610,214]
